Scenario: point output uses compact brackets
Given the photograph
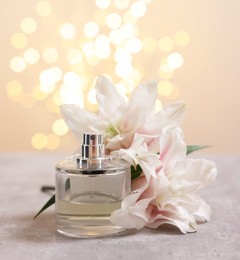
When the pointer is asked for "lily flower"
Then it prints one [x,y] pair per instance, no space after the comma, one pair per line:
[119,119]
[165,192]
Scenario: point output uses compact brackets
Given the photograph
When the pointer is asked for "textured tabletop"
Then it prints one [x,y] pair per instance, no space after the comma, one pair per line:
[21,237]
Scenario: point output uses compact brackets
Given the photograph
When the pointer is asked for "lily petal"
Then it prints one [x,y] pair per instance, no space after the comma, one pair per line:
[111,104]
[178,217]
[130,215]
[141,105]
[138,153]
[154,125]
[175,111]
[203,212]
[172,146]
[193,174]
[126,219]
[197,207]
[81,121]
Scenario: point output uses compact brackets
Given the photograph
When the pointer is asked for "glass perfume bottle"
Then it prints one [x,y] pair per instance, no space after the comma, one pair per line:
[88,189]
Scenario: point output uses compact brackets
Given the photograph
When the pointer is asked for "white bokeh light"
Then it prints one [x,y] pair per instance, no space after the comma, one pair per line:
[113,20]
[138,9]
[67,31]
[103,4]
[175,60]
[91,29]
[17,64]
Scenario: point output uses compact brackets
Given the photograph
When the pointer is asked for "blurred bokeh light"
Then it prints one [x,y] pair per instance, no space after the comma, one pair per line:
[65,66]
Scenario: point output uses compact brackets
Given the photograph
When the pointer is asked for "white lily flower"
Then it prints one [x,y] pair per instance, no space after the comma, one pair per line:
[137,152]
[165,193]
[118,119]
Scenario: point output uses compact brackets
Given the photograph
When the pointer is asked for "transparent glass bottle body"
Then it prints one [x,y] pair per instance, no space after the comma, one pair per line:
[85,199]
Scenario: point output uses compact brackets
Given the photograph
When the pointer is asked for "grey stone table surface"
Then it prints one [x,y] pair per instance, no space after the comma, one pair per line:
[21,237]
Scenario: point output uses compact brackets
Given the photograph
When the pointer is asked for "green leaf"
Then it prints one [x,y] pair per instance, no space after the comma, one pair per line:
[135,172]
[50,202]
[193,148]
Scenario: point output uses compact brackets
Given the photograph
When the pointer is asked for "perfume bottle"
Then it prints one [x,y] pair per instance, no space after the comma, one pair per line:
[88,189]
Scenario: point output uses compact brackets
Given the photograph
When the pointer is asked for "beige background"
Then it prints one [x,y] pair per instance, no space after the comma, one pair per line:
[208,81]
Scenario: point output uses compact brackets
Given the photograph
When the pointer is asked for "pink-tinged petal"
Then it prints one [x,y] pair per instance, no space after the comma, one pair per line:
[148,193]
[151,142]
[203,212]
[125,219]
[114,143]
[153,125]
[183,226]
[137,152]
[131,215]
[171,113]
[193,174]
[131,153]
[141,105]
[177,216]
[172,146]
[123,141]
[81,121]
[174,111]
[111,104]
[140,208]
[129,156]
[197,207]
[133,212]
[148,164]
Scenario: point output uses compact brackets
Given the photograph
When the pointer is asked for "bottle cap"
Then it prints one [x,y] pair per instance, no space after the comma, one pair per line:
[93,146]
